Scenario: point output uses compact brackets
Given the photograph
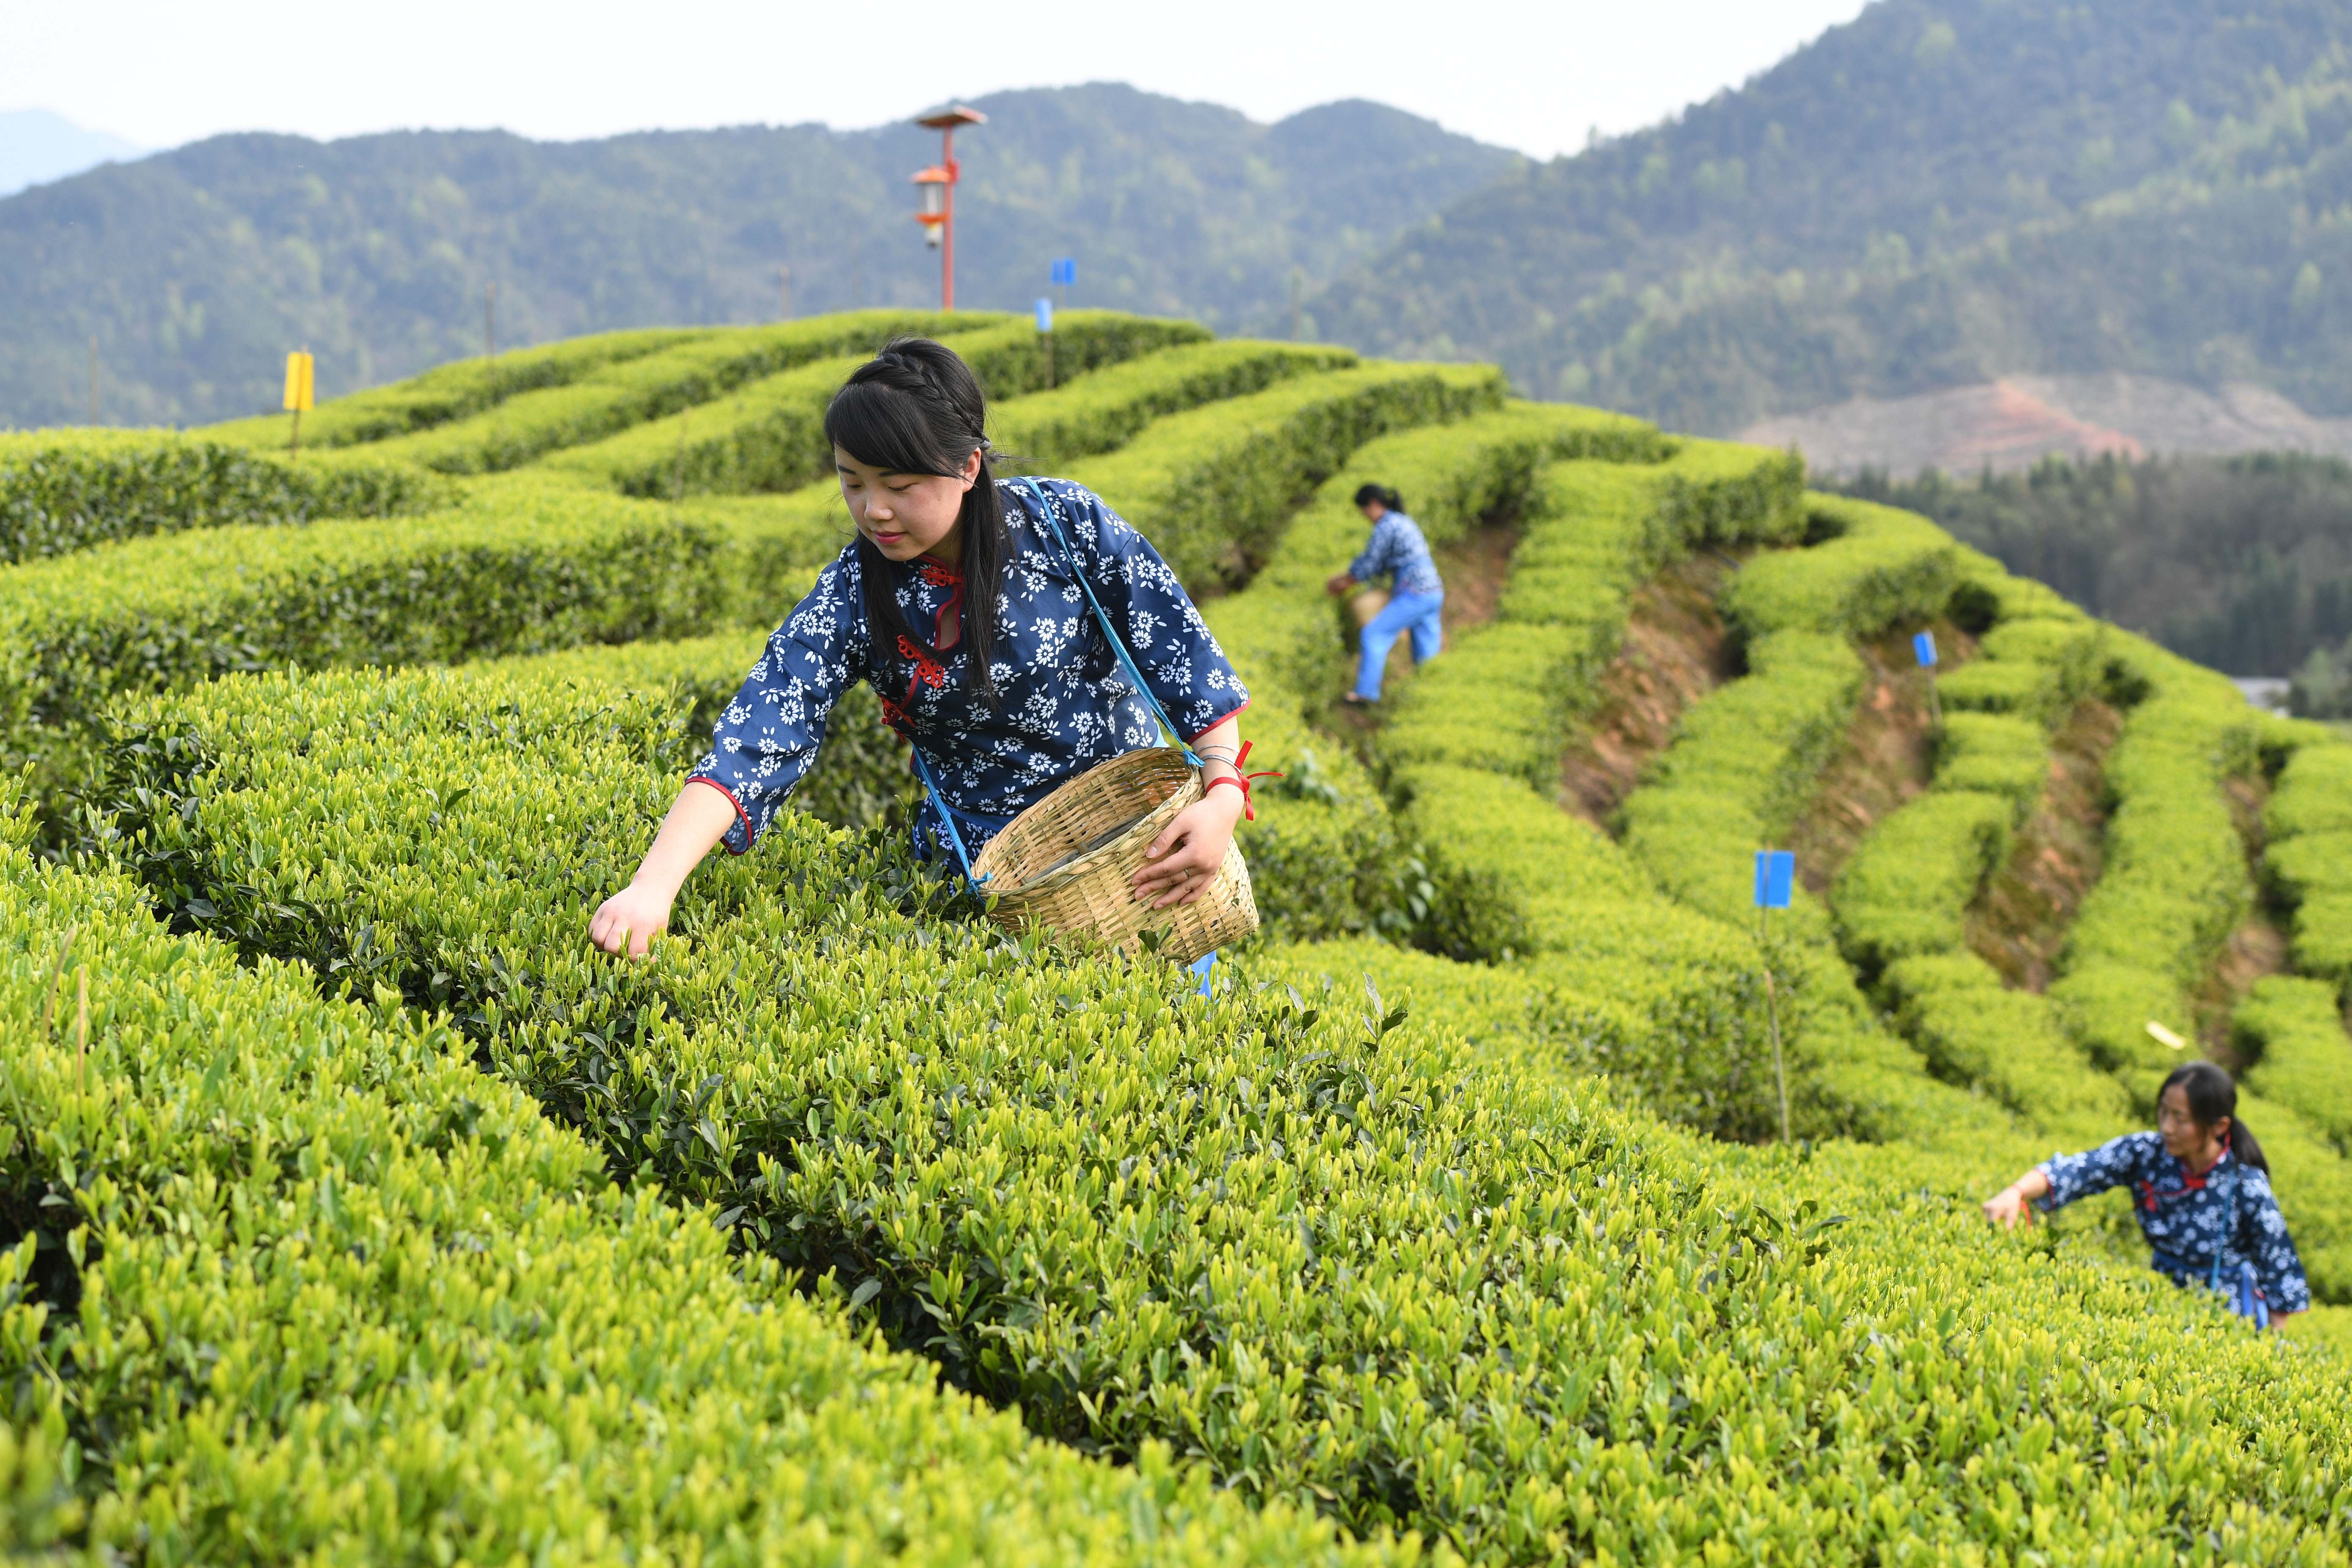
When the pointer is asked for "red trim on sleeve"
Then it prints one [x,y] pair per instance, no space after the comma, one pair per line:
[1214,722]
[744,817]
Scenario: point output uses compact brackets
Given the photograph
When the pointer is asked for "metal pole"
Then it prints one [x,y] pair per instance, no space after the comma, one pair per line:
[1296,274]
[1779,1073]
[946,240]
[490,321]
[93,378]
[784,278]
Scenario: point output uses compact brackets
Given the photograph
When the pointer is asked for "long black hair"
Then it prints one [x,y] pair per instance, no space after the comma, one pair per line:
[1366,494]
[2212,1096]
[917,408]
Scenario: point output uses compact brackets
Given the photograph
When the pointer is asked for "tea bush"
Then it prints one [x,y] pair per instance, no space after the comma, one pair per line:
[769,434]
[1213,488]
[1103,409]
[292,1279]
[1328,1252]
[452,391]
[65,490]
[1907,889]
[2292,1031]
[526,425]
[2308,817]
[2175,882]
[1870,567]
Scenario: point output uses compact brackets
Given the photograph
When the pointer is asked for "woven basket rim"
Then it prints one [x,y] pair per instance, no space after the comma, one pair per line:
[1142,759]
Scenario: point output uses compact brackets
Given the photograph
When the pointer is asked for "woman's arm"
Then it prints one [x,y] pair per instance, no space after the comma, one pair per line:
[2015,1201]
[1179,865]
[630,920]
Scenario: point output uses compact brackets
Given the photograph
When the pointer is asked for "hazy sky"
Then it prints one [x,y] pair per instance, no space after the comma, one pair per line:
[1529,76]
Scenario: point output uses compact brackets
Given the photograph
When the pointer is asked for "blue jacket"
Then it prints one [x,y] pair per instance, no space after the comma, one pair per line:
[2185,1214]
[1397,547]
[1062,703]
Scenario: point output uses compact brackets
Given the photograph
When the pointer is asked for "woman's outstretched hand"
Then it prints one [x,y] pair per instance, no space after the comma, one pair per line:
[2014,1203]
[1178,864]
[627,923]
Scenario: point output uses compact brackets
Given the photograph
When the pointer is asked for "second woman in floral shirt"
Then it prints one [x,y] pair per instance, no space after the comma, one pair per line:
[2201,1189]
[959,603]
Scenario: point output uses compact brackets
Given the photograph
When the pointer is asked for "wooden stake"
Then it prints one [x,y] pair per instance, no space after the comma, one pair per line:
[490,321]
[1297,275]
[785,281]
[1779,1073]
[93,378]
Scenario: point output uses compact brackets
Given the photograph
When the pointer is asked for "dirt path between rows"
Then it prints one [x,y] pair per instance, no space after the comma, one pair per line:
[2019,923]
[1888,756]
[1676,652]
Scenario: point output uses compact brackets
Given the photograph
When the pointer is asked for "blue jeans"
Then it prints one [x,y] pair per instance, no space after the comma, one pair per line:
[1417,613]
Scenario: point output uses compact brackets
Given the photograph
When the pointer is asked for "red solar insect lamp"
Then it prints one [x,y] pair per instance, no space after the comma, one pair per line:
[937,186]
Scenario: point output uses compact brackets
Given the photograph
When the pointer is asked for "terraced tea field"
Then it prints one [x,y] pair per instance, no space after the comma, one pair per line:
[356,1211]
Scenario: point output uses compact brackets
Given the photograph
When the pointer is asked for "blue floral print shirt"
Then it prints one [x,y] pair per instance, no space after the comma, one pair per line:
[1062,704]
[2184,1213]
[1397,546]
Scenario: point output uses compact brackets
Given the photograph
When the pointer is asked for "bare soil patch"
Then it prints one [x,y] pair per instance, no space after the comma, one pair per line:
[2256,949]
[2019,923]
[1676,652]
[1888,758]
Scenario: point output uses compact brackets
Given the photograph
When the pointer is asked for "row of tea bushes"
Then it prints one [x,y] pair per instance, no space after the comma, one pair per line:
[64,490]
[2308,860]
[1105,408]
[1314,1242]
[1865,567]
[452,391]
[526,424]
[1331,857]
[527,562]
[1213,488]
[769,434]
[1520,881]
[2291,1030]
[297,1281]
[1505,698]
[520,563]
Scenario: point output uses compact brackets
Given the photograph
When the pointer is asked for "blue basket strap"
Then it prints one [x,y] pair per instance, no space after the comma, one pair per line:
[1118,642]
[947,815]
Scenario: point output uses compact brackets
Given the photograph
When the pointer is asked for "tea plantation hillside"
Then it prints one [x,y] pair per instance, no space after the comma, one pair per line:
[354,1211]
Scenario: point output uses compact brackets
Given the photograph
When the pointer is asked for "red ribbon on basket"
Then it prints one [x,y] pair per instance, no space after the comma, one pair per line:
[1249,808]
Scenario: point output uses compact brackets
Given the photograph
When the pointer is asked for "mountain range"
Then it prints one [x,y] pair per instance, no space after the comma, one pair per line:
[1936,195]
[194,270]
[1947,230]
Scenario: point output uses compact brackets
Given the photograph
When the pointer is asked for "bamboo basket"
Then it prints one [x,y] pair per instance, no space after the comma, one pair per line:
[1364,606]
[1046,869]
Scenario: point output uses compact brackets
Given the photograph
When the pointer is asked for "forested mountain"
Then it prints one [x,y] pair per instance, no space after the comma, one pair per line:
[1937,193]
[196,269]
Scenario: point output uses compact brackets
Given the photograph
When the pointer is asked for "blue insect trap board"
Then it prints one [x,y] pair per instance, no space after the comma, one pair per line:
[1924,645]
[1065,270]
[1045,315]
[1776,879]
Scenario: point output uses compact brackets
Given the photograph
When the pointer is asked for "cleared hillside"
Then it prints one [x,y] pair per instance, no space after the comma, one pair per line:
[1933,196]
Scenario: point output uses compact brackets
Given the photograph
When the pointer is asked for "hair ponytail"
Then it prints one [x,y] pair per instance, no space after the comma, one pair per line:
[1366,494]
[2212,1095]
[917,408]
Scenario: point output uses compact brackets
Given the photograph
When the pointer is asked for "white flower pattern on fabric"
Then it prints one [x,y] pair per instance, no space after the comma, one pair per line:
[1063,703]
[2184,1215]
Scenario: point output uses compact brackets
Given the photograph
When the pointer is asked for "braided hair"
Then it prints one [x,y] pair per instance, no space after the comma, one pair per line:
[917,408]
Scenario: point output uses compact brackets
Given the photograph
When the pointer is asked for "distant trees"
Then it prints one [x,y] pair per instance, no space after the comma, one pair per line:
[2244,563]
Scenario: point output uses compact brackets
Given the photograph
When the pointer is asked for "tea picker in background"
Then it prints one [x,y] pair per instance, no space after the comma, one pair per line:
[964,601]
[2201,1189]
[1396,550]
